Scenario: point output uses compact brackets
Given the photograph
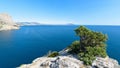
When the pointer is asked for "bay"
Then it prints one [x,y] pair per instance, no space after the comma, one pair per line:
[30,42]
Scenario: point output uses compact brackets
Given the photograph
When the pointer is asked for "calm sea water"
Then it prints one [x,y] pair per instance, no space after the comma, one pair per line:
[24,45]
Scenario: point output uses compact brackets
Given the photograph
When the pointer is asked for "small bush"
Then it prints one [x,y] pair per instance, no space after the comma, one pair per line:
[53,54]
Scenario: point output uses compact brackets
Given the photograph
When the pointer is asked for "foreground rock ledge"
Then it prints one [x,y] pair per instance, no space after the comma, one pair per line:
[70,62]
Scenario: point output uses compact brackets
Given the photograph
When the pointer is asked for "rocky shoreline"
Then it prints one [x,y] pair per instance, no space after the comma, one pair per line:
[8,27]
[6,22]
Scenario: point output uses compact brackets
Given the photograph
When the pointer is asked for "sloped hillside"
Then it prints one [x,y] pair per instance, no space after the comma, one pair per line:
[6,22]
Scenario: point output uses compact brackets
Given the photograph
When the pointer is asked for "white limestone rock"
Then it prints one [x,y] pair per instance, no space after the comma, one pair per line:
[6,22]
[105,63]
[70,62]
[56,62]
[66,60]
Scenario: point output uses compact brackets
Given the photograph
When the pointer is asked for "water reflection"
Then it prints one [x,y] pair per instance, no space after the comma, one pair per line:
[5,37]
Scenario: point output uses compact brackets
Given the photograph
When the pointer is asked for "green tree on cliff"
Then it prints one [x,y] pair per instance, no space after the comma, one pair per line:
[90,45]
[90,38]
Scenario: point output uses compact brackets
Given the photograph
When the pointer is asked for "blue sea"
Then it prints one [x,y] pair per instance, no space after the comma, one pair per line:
[29,42]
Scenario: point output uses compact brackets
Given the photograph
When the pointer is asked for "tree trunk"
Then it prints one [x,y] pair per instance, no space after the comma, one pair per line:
[82,48]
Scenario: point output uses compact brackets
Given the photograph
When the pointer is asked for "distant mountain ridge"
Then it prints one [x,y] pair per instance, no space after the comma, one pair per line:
[28,23]
[37,23]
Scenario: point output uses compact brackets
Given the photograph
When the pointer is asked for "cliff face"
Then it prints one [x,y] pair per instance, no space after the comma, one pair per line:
[70,62]
[6,22]
[56,62]
[66,60]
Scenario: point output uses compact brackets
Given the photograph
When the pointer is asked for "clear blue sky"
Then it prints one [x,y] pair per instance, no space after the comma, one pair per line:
[87,12]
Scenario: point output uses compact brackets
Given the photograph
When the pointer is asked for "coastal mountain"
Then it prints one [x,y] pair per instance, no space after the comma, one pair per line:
[6,22]
[70,24]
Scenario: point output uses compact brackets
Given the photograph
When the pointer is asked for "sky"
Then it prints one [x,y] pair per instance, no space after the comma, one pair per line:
[83,12]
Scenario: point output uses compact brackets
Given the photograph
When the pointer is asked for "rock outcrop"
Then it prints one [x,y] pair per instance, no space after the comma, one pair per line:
[6,22]
[70,62]
[57,62]
[66,60]
[105,63]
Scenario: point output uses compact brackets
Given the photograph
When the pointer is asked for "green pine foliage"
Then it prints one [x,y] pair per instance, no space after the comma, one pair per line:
[74,47]
[53,54]
[91,45]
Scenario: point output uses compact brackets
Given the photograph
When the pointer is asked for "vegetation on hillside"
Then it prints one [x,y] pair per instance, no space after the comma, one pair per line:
[74,47]
[52,54]
[91,45]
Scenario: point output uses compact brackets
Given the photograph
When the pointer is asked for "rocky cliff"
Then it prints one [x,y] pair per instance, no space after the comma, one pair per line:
[66,60]
[6,22]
